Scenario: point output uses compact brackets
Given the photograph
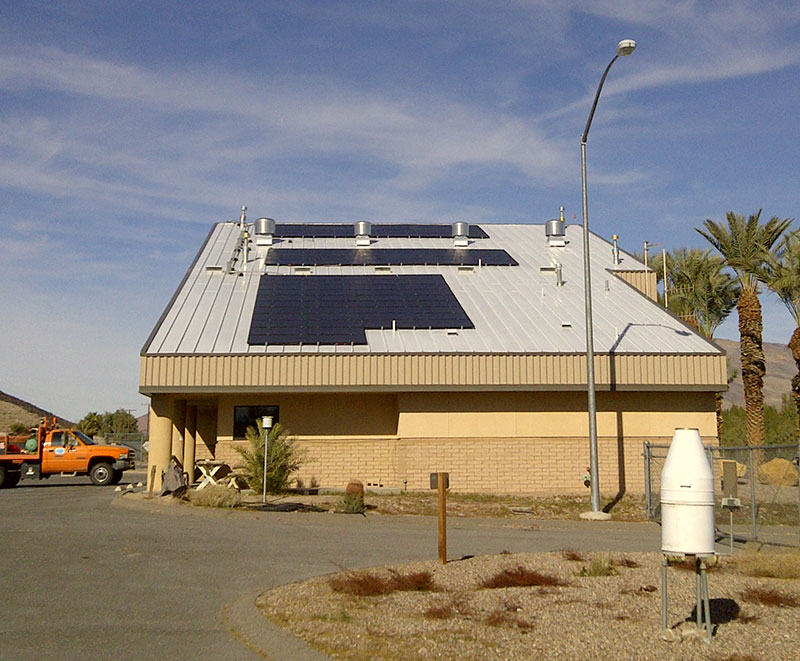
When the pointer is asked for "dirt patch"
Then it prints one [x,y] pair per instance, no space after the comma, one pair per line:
[611,617]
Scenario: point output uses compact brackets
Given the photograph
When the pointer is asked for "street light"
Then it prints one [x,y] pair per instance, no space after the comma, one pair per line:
[624,48]
[266,423]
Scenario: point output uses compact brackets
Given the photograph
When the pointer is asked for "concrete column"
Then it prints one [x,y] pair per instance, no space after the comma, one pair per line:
[190,441]
[178,428]
[160,438]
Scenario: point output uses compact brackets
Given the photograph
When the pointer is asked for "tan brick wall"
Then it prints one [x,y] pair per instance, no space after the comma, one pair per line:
[515,442]
[497,465]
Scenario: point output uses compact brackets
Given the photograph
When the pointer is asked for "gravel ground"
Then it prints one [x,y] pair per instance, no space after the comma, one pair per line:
[609,617]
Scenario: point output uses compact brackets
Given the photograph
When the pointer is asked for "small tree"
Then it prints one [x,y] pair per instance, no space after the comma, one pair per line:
[17,428]
[91,424]
[284,458]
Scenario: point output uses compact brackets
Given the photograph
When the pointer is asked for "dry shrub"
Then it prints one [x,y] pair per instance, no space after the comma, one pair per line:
[572,556]
[366,584]
[625,561]
[214,496]
[770,597]
[687,563]
[769,565]
[642,589]
[520,577]
[502,618]
[600,565]
[457,603]
[360,584]
[439,612]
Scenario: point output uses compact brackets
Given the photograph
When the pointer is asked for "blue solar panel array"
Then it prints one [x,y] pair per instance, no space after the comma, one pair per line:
[380,231]
[388,257]
[336,309]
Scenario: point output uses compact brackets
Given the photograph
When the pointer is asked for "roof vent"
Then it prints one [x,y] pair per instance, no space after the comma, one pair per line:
[362,229]
[460,231]
[265,229]
[555,232]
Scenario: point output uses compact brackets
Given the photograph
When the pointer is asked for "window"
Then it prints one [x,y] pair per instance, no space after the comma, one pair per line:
[58,440]
[246,416]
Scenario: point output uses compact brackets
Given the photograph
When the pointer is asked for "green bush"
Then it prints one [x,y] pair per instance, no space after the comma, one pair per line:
[283,458]
[780,425]
[214,496]
[350,503]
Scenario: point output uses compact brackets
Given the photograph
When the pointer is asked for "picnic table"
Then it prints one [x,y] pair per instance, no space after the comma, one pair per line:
[209,472]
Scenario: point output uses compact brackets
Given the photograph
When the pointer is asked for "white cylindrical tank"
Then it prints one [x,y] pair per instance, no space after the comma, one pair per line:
[687,497]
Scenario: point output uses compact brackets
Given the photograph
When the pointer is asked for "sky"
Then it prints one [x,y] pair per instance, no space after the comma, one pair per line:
[127,129]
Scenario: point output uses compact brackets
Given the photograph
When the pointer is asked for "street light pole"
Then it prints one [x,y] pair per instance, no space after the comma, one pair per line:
[266,423]
[624,48]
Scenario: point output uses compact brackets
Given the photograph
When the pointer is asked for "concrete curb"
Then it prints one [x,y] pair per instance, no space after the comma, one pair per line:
[248,624]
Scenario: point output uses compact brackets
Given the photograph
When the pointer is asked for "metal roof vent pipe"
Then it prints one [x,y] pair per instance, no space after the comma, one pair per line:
[615,249]
[362,230]
[555,231]
[687,497]
[460,231]
[265,230]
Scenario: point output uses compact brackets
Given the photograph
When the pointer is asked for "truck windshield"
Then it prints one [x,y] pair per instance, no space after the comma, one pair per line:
[83,437]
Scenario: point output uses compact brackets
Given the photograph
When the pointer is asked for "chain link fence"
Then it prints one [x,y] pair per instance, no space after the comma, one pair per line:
[767,490]
[135,440]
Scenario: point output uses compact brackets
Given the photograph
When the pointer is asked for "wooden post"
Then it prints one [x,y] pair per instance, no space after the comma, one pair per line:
[152,481]
[440,483]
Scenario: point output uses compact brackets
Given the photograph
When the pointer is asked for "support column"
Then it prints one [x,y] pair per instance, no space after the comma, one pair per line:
[189,441]
[178,428]
[160,438]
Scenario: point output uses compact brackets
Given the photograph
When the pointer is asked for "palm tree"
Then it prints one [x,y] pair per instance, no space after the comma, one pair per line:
[783,278]
[701,293]
[745,245]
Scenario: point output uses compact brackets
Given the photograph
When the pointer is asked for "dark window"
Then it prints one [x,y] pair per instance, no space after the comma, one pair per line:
[246,416]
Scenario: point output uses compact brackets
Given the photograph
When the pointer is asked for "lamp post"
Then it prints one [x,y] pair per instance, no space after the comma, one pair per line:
[266,423]
[624,48]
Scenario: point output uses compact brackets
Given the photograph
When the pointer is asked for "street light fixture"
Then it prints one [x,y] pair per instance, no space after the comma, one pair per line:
[624,48]
[266,423]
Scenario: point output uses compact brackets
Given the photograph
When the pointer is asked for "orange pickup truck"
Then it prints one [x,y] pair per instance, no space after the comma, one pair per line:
[53,451]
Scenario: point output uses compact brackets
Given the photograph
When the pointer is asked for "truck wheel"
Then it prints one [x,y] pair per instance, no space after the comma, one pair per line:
[101,474]
[3,475]
[116,477]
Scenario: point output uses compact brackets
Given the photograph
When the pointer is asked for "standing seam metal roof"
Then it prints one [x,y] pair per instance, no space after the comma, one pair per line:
[515,309]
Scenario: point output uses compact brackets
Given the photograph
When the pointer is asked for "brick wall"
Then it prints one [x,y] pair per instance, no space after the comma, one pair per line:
[499,465]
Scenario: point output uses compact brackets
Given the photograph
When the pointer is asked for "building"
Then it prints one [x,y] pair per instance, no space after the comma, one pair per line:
[393,351]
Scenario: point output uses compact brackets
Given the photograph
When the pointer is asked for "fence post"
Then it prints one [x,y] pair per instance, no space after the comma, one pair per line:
[648,498]
[753,513]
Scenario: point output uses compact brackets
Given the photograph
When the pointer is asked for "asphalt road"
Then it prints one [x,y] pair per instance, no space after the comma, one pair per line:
[87,575]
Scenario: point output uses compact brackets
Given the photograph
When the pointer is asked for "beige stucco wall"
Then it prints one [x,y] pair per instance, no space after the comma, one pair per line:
[513,442]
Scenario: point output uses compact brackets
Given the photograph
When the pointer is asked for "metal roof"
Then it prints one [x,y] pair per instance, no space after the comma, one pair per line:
[515,309]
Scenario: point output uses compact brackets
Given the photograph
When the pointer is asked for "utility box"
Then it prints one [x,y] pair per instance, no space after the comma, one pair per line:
[687,497]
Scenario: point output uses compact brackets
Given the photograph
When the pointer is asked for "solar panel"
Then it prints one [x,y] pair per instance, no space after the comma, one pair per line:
[384,231]
[336,309]
[388,256]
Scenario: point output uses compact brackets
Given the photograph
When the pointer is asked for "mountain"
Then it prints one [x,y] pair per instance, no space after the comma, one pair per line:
[13,409]
[777,382]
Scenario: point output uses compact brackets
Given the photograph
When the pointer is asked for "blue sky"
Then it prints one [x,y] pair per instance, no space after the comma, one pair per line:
[126,129]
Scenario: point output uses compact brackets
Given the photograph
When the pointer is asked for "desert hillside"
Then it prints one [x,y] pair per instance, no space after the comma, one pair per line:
[778,381]
[13,409]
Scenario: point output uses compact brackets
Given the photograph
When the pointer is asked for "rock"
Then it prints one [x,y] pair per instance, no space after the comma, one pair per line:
[140,484]
[778,472]
[118,489]
[355,489]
